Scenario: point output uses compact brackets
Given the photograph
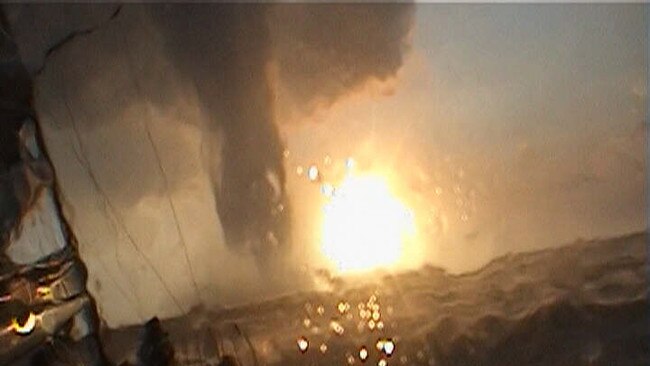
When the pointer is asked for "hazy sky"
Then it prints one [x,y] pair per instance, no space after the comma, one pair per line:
[545,73]
[529,118]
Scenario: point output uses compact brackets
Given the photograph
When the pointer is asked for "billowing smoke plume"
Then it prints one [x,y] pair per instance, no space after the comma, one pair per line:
[325,51]
[223,50]
[163,128]
[320,52]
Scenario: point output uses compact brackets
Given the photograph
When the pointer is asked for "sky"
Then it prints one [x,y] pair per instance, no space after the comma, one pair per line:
[176,138]
[530,119]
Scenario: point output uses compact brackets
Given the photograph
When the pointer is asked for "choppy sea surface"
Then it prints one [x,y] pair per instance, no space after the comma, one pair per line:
[582,304]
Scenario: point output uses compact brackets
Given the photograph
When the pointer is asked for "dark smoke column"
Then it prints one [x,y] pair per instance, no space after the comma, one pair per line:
[43,297]
[320,53]
[224,51]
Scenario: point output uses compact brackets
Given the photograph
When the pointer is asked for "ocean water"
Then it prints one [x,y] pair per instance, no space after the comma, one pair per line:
[583,304]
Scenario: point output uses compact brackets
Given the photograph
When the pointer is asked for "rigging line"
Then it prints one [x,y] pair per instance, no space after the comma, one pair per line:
[74,34]
[113,211]
[163,174]
[135,308]
[172,206]
[248,341]
[125,294]
[85,165]
[217,339]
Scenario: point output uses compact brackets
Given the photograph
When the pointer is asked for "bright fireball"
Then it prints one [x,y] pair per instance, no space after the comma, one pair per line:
[364,225]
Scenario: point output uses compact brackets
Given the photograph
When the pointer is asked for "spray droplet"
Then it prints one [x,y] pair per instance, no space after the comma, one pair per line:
[327,190]
[271,239]
[371,324]
[380,345]
[336,327]
[382,362]
[343,307]
[303,344]
[389,347]
[349,163]
[323,348]
[362,313]
[363,353]
[312,173]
